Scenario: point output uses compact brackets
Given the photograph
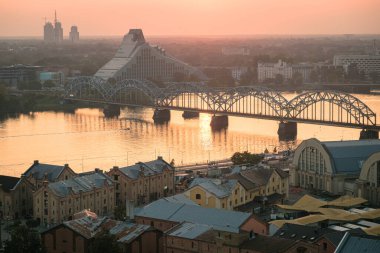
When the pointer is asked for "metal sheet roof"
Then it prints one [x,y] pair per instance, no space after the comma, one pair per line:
[84,182]
[358,243]
[219,219]
[147,168]
[348,156]
[39,170]
[189,230]
[215,186]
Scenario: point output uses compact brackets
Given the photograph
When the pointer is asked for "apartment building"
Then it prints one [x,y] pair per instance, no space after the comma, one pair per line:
[143,182]
[31,180]
[56,202]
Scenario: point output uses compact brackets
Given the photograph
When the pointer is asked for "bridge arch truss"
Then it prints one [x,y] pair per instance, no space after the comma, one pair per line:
[330,106]
[325,107]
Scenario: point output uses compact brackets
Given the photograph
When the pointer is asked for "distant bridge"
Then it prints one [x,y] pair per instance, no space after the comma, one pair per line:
[316,107]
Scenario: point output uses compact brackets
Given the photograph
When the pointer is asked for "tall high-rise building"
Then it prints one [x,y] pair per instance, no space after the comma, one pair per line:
[58,30]
[48,32]
[74,34]
[53,33]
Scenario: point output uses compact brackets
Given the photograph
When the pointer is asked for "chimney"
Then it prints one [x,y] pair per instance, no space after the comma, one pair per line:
[130,209]
[97,170]
[159,157]
[35,162]
[115,167]
[66,166]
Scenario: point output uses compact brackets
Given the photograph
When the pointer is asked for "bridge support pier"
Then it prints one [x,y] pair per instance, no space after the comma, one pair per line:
[368,134]
[111,110]
[219,122]
[287,131]
[190,115]
[161,115]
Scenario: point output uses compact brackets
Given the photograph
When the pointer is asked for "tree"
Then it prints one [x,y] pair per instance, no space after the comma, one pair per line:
[23,239]
[246,158]
[119,212]
[105,243]
[279,79]
[297,79]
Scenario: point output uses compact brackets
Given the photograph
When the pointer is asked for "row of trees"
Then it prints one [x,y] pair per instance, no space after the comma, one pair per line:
[246,158]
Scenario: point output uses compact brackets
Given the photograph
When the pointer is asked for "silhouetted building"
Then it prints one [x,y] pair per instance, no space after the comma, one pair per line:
[74,34]
[15,74]
[48,32]
[136,59]
[53,33]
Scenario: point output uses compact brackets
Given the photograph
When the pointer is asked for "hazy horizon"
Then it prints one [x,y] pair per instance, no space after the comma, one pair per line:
[193,18]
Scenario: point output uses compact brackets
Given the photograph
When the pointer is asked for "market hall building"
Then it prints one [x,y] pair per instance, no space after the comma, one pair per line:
[338,167]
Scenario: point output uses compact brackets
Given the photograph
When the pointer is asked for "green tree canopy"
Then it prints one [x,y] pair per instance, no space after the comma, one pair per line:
[246,158]
[23,239]
[105,243]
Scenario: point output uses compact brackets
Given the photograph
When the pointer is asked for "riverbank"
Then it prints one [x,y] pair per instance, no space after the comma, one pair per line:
[27,103]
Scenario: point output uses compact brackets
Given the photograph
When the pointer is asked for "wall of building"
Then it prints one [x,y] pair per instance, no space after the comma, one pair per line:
[161,225]
[53,209]
[257,226]
[6,207]
[63,239]
[22,199]
[142,190]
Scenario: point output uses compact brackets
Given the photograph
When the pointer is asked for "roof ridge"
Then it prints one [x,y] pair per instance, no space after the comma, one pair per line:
[176,211]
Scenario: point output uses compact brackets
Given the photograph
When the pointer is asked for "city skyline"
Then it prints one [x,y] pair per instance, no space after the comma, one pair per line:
[193,18]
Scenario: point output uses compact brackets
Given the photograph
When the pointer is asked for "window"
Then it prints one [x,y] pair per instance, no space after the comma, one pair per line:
[197,196]
[324,246]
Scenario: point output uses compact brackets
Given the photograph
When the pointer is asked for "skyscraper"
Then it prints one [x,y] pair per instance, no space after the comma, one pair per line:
[74,34]
[58,30]
[53,33]
[48,32]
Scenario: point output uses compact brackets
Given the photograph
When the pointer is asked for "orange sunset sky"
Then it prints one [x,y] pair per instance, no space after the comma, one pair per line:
[193,17]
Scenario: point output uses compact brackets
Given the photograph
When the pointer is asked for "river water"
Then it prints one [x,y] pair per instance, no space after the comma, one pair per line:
[87,140]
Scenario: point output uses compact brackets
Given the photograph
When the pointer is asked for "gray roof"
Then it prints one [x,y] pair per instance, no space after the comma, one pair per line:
[126,232]
[215,186]
[358,243]
[348,156]
[189,230]
[89,227]
[180,198]
[39,170]
[147,168]
[7,183]
[219,219]
[84,182]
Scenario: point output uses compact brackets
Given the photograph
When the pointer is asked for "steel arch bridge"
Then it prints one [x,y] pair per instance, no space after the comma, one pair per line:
[318,107]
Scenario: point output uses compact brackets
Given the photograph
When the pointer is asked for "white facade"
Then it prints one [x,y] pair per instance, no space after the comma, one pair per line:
[136,59]
[237,72]
[304,69]
[270,70]
[367,63]
[236,51]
